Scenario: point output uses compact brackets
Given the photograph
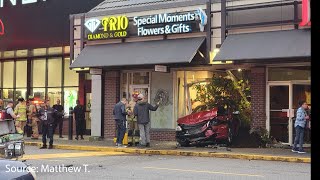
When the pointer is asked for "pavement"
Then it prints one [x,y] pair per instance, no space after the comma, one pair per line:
[170,148]
[83,165]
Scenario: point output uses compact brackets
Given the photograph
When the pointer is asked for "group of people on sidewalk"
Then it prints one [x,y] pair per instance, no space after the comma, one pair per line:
[137,109]
[28,114]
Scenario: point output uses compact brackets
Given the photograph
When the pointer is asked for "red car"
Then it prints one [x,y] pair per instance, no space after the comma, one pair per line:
[207,125]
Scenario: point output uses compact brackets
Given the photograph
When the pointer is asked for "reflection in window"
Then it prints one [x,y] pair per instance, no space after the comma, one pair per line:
[124,86]
[38,73]
[141,78]
[22,93]
[21,74]
[291,73]
[53,95]
[55,50]
[7,94]
[54,72]
[39,93]
[8,74]
[187,93]
[71,78]
[181,94]
[195,78]
[70,98]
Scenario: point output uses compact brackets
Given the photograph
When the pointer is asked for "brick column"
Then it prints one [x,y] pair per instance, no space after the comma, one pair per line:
[111,97]
[258,97]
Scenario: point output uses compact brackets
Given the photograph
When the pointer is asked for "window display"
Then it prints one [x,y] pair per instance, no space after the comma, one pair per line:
[70,98]
[53,95]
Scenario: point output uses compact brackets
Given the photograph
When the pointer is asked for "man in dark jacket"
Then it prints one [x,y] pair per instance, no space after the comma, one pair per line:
[79,118]
[120,113]
[141,110]
[48,116]
[59,119]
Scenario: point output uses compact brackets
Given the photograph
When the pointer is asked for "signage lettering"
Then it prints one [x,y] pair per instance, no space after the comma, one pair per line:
[115,23]
[1,28]
[161,24]
[160,68]
[306,13]
[112,27]
[23,2]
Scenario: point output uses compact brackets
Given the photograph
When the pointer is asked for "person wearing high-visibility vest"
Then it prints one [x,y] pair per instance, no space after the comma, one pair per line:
[32,115]
[21,110]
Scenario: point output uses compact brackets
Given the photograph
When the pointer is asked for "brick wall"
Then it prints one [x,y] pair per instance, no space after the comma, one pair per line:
[111,97]
[258,96]
[163,135]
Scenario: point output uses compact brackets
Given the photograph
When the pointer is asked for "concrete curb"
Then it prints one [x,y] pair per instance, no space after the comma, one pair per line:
[178,153]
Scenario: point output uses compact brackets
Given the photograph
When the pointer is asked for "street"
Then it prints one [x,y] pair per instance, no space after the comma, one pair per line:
[69,164]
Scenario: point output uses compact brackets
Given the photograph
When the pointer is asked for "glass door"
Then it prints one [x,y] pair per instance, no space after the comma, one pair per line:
[278,111]
[282,103]
[301,91]
[140,89]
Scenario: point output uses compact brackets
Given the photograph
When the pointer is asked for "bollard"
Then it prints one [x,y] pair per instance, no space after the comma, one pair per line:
[70,123]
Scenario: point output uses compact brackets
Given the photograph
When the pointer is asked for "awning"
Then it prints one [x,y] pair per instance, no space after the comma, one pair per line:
[139,53]
[266,45]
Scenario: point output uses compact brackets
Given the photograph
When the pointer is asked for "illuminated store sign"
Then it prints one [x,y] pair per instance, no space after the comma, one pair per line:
[15,2]
[1,28]
[174,23]
[107,28]
[306,13]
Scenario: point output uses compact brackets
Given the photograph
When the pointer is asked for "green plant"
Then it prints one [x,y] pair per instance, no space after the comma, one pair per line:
[229,92]
[262,135]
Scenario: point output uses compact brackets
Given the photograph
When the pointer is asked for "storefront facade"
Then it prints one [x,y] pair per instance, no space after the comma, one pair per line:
[35,52]
[278,51]
[118,69]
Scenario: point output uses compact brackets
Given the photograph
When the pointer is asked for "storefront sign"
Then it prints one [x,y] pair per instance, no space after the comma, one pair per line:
[107,28]
[306,13]
[160,68]
[174,23]
[14,2]
[95,71]
[1,28]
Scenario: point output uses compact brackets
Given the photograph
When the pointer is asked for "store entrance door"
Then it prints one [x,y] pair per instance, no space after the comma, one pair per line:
[278,111]
[141,89]
[282,104]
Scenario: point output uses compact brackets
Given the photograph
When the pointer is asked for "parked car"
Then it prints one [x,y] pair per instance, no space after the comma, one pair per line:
[207,125]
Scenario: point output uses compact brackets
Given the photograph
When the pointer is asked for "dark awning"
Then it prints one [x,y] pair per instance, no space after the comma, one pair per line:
[139,53]
[266,45]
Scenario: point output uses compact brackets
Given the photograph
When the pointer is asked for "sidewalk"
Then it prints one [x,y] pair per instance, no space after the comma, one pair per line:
[169,148]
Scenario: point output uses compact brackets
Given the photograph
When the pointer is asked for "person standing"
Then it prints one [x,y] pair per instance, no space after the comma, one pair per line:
[141,110]
[9,113]
[120,113]
[300,123]
[59,119]
[79,118]
[32,116]
[132,119]
[21,110]
[47,116]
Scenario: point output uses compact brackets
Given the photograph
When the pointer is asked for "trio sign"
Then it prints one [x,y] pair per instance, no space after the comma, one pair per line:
[107,28]
[158,24]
